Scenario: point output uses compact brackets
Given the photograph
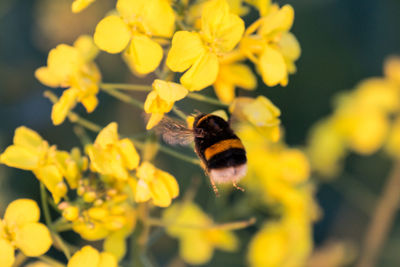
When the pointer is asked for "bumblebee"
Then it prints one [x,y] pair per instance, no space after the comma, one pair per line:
[222,154]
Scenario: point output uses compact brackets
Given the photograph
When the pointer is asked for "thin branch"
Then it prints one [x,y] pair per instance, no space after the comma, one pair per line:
[382,219]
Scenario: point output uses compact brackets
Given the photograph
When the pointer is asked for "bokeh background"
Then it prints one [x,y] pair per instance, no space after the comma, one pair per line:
[343,42]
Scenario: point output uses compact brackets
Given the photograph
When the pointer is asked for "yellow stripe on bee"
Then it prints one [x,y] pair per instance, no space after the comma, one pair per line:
[222,146]
[202,119]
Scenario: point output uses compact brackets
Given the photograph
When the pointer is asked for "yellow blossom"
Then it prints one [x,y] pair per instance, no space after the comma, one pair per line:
[132,29]
[260,113]
[231,76]
[196,242]
[110,155]
[272,48]
[199,52]
[162,99]
[72,67]
[155,184]
[393,141]
[31,152]
[79,5]
[21,230]
[90,257]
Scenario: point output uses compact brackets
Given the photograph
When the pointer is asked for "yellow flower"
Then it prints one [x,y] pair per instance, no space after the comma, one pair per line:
[155,184]
[231,76]
[393,141]
[31,152]
[326,148]
[273,48]
[79,5]
[112,156]
[198,52]
[21,230]
[260,113]
[72,67]
[162,99]
[196,242]
[90,257]
[133,27]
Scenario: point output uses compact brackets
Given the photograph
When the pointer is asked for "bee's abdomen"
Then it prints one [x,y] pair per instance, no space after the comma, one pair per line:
[225,153]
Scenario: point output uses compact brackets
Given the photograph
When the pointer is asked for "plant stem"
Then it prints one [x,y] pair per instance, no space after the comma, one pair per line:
[19,259]
[224,226]
[382,219]
[126,86]
[51,261]
[125,98]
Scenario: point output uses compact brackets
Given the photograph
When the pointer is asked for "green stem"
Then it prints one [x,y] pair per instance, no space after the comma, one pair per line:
[51,261]
[125,98]
[19,259]
[45,206]
[206,99]
[223,226]
[178,155]
[125,86]
[179,113]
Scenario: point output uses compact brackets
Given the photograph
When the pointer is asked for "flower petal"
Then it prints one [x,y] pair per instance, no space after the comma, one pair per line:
[278,21]
[19,157]
[107,260]
[112,34]
[63,61]
[272,66]
[33,239]
[156,11]
[169,91]
[186,48]
[46,77]
[64,105]
[7,257]
[107,136]
[86,257]
[27,138]
[155,118]
[86,47]
[79,5]
[143,55]
[129,153]
[22,211]
[202,74]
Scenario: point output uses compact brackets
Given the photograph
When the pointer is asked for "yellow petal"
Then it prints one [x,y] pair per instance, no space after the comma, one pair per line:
[112,34]
[33,239]
[195,249]
[90,230]
[63,62]
[64,105]
[155,104]
[22,211]
[202,74]
[19,157]
[52,178]
[155,118]
[45,76]
[107,260]
[278,21]
[86,257]
[27,138]
[159,10]
[159,193]
[225,91]
[221,239]
[219,23]
[86,46]
[90,103]
[143,55]
[186,48]
[108,135]
[79,5]
[129,9]
[169,91]
[6,253]
[129,153]
[170,183]
[289,46]
[115,244]
[272,66]
[142,193]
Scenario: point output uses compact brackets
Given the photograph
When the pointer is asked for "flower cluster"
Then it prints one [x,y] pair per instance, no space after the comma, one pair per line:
[364,120]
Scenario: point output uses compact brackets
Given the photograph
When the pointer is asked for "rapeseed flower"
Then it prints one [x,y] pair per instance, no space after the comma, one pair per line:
[198,53]
[72,67]
[31,152]
[90,257]
[110,155]
[79,5]
[272,48]
[21,230]
[133,28]
[162,99]
[156,185]
[193,228]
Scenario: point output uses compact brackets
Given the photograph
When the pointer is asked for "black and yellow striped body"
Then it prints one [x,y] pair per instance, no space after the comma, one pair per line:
[216,144]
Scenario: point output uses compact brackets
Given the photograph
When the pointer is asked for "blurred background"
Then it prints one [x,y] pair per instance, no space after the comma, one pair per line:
[342,43]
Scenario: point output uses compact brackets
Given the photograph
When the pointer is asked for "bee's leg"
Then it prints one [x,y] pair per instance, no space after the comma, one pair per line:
[237,187]
[214,186]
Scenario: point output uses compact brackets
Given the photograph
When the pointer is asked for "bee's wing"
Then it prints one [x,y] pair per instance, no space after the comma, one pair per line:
[174,132]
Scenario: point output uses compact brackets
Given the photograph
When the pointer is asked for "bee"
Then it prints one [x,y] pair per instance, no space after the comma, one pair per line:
[221,152]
